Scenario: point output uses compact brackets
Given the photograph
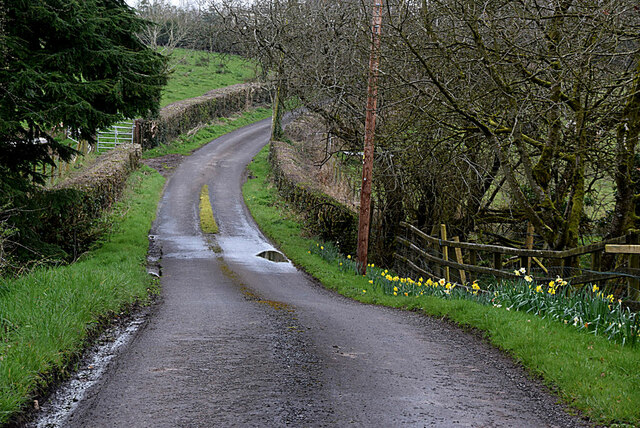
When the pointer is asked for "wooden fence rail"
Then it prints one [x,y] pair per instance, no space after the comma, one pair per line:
[429,256]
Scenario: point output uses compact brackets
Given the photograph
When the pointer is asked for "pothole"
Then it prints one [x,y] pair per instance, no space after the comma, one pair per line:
[273,256]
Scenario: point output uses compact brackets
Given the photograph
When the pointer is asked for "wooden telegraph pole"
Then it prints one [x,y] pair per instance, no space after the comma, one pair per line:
[369,131]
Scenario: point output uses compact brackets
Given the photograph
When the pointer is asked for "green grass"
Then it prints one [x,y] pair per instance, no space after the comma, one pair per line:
[207,221]
[185,145]
[47,316]
[591,374]
[197,72]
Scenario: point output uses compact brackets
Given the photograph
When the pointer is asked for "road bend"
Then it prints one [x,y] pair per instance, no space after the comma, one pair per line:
[238,340]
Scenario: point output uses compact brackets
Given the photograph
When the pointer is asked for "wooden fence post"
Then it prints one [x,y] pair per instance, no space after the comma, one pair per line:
[437,269]
[458,251]
[634,263]
[497,261]
[136,132]
[529,244]
[445,250]
[596,264]
[473,260]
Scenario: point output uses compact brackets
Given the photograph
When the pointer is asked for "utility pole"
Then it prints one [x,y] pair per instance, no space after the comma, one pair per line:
[369,131]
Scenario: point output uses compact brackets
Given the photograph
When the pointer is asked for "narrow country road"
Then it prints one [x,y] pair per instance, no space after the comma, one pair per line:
[238,340]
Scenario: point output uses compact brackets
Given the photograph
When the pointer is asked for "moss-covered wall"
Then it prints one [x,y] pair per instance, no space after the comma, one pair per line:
[63,221]
[182,116]
[324,216]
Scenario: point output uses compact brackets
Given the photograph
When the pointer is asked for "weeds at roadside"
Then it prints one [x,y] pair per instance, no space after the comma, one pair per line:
[47,314]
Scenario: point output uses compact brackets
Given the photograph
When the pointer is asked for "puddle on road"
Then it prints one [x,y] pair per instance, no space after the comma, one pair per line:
[273,256]
[185,247]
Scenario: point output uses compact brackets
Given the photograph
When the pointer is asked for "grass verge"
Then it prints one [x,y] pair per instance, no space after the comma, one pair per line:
[207,221]
[47,316]
[184,145]
[598,377]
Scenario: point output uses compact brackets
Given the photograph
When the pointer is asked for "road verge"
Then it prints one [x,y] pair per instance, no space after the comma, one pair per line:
[592,375]
[48,316]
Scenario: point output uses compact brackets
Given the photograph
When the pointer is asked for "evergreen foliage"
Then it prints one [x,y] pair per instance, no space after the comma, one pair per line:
[76,64]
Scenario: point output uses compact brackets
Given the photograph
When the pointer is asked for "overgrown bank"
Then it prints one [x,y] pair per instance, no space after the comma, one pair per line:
[58,224]
[330,219]
[47,316]
[590,373]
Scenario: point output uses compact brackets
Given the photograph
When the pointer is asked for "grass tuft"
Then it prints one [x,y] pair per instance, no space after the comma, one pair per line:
[207,221]
[591,374]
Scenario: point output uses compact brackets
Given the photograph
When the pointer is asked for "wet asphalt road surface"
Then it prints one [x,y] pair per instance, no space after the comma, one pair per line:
[238,340]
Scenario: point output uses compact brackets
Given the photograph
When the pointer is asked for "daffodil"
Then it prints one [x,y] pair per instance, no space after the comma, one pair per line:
[475,287]
[595,288]
[528,278]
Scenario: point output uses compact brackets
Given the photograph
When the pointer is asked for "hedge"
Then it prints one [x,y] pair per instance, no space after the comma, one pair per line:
[324,216]
[182,116]
[63,221]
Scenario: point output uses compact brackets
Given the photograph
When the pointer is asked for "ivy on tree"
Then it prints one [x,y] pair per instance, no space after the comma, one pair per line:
[72,63]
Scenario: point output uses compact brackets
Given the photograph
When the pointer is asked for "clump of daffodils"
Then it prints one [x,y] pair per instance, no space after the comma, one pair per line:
[587,308]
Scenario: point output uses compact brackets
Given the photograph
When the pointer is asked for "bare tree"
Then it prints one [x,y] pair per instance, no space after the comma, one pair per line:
[490,112]
[169,26]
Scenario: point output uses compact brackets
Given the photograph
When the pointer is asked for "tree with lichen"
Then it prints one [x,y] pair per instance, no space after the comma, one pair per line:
[542,83]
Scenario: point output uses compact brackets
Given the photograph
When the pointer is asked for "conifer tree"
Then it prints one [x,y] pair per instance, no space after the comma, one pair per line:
[72,63]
